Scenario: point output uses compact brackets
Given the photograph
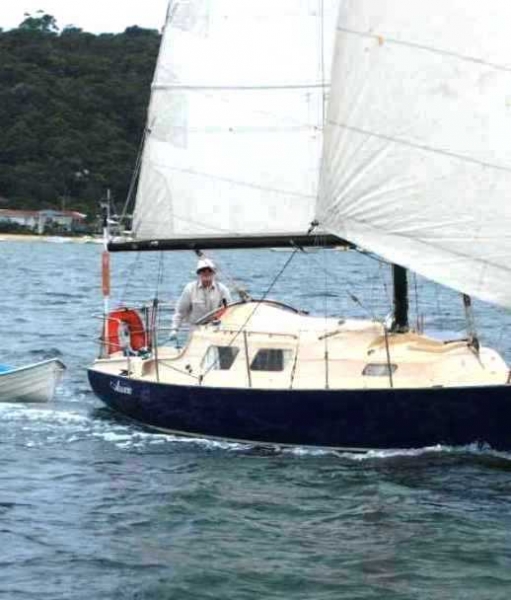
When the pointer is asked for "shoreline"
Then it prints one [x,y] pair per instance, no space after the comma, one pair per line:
[21,237]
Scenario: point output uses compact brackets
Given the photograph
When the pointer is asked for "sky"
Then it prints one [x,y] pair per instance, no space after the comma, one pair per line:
[94,16]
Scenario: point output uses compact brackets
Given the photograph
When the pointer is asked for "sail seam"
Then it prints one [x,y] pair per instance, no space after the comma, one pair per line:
[246,184]
[382,39]
[307,86]
[483,261]
[423,147]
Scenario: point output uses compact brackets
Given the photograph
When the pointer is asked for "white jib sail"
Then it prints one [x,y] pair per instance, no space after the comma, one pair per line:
[417,156]
[236,119]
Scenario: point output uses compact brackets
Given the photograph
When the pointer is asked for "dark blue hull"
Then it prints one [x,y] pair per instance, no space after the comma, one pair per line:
[355,419]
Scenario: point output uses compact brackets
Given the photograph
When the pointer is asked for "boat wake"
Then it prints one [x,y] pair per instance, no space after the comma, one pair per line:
[468,451]
[36,426]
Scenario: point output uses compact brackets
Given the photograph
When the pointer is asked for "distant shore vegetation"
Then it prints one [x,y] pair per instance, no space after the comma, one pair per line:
[72,113]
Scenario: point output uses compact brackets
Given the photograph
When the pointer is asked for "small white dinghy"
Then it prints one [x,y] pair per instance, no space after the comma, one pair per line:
[31,383]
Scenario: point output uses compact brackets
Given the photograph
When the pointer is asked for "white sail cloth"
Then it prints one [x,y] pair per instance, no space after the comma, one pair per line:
[417,155]
[235,121]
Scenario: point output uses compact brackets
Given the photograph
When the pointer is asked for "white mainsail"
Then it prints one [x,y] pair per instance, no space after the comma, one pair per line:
[417,157]
[236,119]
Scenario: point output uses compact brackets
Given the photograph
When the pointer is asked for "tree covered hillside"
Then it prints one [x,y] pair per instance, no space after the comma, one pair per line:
[72,111]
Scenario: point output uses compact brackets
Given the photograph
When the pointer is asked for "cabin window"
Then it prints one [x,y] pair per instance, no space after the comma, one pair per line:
[219,357]
[270,359]
[379,369]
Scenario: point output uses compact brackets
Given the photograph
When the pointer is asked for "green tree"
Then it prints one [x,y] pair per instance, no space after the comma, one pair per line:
[43,22]
[72,112]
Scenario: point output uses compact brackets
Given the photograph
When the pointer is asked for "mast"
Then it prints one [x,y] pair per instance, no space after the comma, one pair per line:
[105,273]
[400,321]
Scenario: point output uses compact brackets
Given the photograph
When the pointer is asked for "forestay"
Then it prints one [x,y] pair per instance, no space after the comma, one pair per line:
[417,161]
[236,119]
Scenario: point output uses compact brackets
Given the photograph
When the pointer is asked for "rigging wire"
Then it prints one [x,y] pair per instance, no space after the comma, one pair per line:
[128,273]
[134,177]
[156,314]
[347,287]
[159,278]
[323,119]
[419,325]
[185,371]
[322,61]
[257,305]
[383,275]
[171,10]
[325,313]
[243,325]
[231,281]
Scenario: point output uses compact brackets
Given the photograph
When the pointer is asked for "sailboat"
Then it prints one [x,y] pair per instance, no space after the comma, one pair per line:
[382,125]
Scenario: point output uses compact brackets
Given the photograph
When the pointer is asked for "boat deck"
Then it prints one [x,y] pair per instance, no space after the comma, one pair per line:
[268,346]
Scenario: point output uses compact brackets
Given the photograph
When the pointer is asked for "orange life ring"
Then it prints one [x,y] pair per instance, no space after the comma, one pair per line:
[125,331]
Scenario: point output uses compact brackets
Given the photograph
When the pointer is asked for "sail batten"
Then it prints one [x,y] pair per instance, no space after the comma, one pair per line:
[416,160]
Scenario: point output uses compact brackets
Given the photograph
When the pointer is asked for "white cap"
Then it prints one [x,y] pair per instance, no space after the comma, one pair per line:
[205,263]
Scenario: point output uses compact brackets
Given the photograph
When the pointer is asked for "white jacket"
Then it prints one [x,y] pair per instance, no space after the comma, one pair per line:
[197,301]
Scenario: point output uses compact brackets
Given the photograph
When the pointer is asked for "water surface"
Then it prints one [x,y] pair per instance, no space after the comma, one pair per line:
[94,507]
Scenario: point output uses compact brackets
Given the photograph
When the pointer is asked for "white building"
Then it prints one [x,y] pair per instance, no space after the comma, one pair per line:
[40,220]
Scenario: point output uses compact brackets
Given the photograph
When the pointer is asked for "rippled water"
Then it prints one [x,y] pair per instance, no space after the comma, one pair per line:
[93,507]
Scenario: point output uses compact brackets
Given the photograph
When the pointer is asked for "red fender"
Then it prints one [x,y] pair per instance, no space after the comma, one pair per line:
[138,337]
